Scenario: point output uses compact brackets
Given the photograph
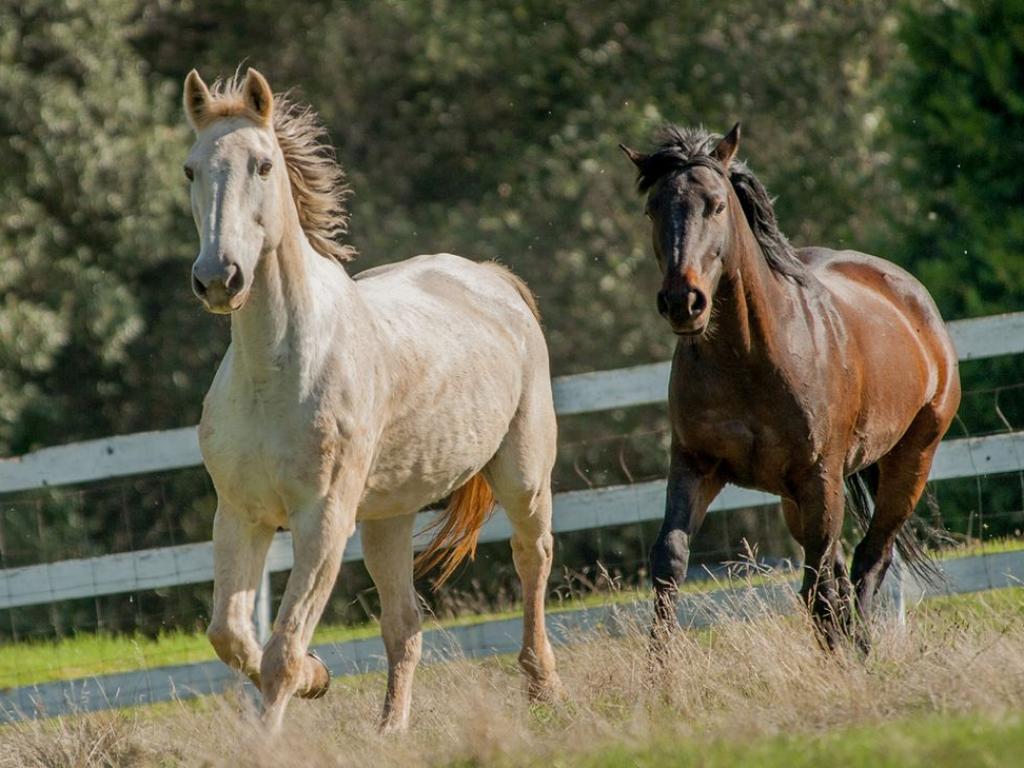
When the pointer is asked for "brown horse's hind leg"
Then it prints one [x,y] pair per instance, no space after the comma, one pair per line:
[903,473]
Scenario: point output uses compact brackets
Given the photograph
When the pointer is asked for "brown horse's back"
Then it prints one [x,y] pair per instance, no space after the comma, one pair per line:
[904,361]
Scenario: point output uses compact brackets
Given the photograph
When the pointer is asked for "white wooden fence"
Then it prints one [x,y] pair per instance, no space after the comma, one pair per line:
[141,453]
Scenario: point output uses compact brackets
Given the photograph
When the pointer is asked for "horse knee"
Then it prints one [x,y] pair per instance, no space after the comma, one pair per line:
[536,548]
[670,557]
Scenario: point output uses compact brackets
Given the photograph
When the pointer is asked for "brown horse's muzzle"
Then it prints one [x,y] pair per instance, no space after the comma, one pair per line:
[685,307]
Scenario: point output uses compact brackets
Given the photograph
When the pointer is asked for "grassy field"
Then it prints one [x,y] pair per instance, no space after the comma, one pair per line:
[92,654]
[927,741]
[947,690]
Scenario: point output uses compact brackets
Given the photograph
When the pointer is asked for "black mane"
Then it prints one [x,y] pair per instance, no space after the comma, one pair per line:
[686,147]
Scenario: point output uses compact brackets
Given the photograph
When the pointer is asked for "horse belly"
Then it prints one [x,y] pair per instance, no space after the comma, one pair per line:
[899,379]
[434,449]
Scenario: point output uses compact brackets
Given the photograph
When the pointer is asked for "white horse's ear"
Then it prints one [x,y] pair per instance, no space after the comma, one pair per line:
[726,149]
[196,99]
[258,96]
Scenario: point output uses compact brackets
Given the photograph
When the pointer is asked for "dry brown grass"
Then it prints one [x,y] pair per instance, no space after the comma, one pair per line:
[742,680]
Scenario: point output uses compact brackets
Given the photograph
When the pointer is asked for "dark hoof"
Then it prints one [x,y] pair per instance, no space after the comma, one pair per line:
[321,681]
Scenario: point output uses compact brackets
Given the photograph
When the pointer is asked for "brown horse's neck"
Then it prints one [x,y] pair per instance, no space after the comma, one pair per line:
[750,297]
[292,311]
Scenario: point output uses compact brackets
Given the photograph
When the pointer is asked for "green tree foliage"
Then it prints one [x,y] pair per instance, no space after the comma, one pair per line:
[955,101]
[91,211]
[957,107]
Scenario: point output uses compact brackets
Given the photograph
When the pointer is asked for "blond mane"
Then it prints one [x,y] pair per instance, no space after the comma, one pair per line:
[317,181]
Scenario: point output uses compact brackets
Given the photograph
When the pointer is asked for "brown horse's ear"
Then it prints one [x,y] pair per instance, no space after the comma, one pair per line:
[195,100]
[258,96]
[635,157]
[726,149]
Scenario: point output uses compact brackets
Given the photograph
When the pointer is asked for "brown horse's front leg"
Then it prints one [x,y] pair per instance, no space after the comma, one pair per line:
[826,586]
[689,494]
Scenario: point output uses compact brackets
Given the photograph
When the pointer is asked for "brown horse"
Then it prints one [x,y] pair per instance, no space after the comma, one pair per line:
[794,370]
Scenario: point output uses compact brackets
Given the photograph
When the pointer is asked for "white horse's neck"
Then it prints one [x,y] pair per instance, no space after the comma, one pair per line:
[299,305]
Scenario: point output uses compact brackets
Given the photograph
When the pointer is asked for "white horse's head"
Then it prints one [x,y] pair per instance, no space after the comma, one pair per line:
[239,187]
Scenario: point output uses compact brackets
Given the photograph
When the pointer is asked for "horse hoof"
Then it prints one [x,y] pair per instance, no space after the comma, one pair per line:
[321,680]
[548,690]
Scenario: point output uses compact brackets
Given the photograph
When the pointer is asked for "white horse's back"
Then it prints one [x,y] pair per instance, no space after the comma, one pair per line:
[467,349]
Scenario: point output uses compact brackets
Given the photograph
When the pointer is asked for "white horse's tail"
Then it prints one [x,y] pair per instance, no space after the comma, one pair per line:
[458,529]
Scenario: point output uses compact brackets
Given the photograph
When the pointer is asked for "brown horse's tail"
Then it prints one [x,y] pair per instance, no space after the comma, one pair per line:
[458,529]
[860,497]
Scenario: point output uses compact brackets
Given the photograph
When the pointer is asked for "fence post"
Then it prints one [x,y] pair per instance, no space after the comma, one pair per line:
[261,614]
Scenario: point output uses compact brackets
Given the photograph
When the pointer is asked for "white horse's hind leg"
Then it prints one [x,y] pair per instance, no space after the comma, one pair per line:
[319,535]
[532,545]
[387,552]
[239,551]
[520,474]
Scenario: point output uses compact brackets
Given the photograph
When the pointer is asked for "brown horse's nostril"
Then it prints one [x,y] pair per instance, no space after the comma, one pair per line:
[663,303]
[695,302]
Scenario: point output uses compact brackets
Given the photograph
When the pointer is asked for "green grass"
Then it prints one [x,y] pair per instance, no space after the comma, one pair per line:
[90,654]
[930,741]
[989,547]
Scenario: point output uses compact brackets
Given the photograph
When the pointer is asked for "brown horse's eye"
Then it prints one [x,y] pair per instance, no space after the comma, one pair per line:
[719,208]
[189,173]
[264,167]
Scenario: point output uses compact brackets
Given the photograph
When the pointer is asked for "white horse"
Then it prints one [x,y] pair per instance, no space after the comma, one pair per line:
[344,400]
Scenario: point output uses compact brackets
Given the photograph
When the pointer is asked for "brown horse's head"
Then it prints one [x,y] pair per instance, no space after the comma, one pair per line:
[687,202]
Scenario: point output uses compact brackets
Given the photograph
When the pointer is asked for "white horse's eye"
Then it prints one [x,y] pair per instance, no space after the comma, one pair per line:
[264,167]
[189,173]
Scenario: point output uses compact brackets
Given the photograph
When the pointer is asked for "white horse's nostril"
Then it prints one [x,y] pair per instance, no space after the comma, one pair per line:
[197,286]
[233,280]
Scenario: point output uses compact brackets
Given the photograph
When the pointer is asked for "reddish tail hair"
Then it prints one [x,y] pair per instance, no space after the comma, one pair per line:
[458,529]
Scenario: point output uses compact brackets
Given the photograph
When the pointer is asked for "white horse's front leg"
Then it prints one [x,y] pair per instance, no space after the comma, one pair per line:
[239,551]
[319,534]
[387,552]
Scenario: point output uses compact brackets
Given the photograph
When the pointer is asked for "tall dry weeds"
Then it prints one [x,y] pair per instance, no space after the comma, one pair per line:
[742,679]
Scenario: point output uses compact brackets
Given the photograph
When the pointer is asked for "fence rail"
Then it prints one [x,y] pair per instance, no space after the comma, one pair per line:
[573,511]
[147,452]
[144,452]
